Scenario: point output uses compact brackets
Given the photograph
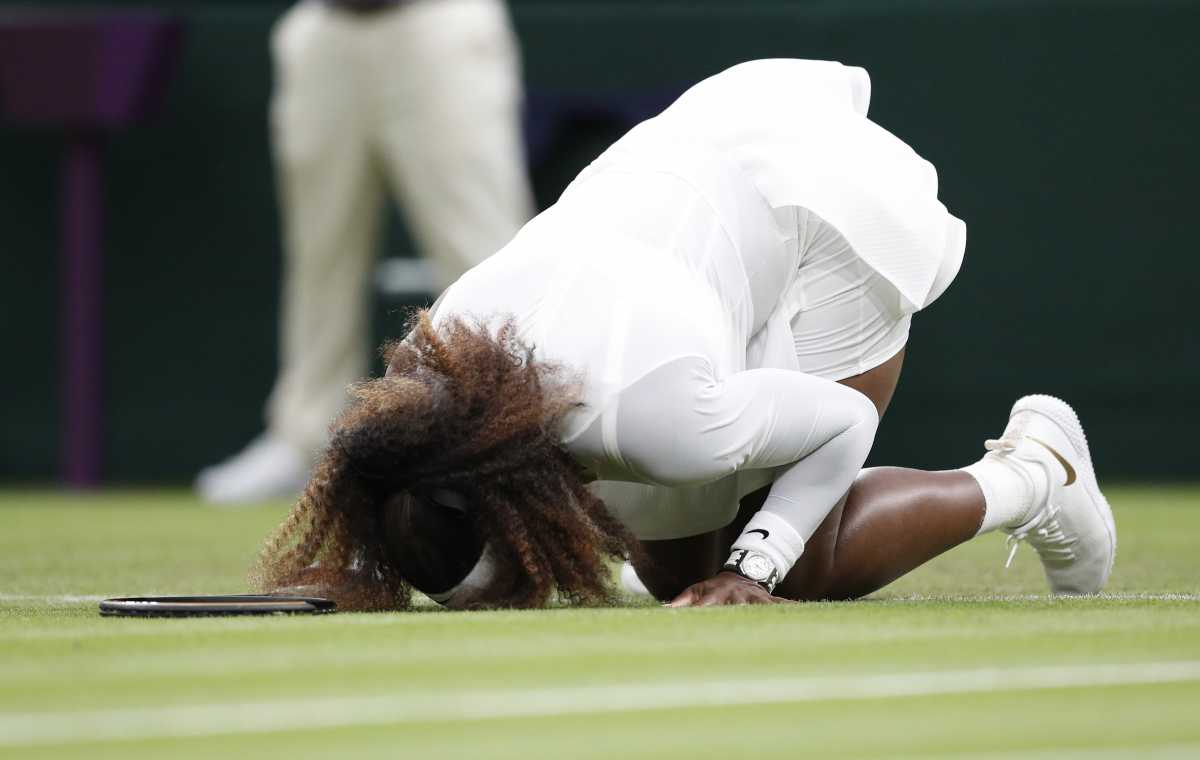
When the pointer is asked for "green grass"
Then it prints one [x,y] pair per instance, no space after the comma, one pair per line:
[960,658]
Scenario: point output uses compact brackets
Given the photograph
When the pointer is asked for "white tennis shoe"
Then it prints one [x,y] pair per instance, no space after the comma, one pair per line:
[267,469]
[1072,529]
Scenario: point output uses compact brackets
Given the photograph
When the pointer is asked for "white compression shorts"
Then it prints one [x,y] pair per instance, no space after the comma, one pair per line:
[846,318]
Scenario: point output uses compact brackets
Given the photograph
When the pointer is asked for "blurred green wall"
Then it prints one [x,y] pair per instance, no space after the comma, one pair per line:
[1065,134]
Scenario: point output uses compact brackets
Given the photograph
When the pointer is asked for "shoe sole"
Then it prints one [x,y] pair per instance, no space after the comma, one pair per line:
[1060,413]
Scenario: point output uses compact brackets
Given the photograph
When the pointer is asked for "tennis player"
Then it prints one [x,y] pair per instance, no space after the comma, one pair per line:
[714,314]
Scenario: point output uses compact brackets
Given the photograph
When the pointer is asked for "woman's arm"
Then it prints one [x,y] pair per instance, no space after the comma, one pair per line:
[680,425]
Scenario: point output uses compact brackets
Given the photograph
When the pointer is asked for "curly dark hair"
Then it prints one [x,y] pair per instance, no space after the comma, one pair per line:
[469,410]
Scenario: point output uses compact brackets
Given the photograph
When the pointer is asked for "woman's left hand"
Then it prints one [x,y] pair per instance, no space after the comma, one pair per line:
[724,588]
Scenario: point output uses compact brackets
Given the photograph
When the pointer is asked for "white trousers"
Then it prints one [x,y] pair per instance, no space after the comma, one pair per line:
[421,101]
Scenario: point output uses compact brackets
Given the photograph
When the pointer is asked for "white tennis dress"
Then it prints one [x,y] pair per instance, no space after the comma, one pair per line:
[668,278]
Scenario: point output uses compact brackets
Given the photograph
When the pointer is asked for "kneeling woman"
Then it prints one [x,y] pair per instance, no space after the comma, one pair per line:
[717,305]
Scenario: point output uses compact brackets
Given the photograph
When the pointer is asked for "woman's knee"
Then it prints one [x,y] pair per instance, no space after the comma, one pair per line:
[860,418]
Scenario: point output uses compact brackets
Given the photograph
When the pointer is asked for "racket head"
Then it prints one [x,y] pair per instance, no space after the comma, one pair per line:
[219,605]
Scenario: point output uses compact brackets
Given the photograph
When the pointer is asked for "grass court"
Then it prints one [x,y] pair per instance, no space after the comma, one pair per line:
[960,659]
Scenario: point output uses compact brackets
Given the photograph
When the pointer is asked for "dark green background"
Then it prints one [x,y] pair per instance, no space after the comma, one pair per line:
[1065,134]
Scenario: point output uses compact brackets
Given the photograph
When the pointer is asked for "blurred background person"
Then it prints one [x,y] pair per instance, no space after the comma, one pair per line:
[417,98]
[1075,204]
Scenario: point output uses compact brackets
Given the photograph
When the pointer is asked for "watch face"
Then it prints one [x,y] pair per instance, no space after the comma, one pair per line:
[756,567]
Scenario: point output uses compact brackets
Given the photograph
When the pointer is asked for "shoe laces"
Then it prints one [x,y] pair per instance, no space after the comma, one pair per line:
[1044,532]
[1000,445]
[1046,535]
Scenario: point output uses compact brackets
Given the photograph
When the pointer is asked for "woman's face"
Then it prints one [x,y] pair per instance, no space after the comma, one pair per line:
[433,545]
[489,584]
[433,542]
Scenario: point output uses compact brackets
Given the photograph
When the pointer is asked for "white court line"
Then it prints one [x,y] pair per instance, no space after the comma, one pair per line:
[1190,750]
[51,598]
[421,706]
[1119,597]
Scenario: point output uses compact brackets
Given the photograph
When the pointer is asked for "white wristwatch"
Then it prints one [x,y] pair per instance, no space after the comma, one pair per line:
[753,567]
